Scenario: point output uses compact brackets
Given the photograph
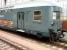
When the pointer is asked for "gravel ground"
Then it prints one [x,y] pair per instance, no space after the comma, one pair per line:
[28,43]
[6,46]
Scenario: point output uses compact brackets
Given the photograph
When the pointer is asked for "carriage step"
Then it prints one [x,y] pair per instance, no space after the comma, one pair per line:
[20,30]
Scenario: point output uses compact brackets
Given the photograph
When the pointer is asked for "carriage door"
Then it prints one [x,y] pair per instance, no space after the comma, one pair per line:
[20,20]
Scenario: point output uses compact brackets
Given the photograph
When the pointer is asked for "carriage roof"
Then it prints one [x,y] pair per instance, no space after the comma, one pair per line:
[32,4]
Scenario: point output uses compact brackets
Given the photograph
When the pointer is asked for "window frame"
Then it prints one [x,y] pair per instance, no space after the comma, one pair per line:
[56,14]
[37,15]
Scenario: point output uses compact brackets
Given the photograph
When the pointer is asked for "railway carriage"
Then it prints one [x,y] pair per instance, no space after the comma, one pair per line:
[40,20]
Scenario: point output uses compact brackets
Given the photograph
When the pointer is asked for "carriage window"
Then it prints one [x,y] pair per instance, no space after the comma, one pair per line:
[56,15]
[19,16]
[37,16]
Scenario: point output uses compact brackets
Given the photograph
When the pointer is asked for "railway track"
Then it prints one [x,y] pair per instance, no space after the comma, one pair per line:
[6,44]
[9,45]
[61,45]
[52,46]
